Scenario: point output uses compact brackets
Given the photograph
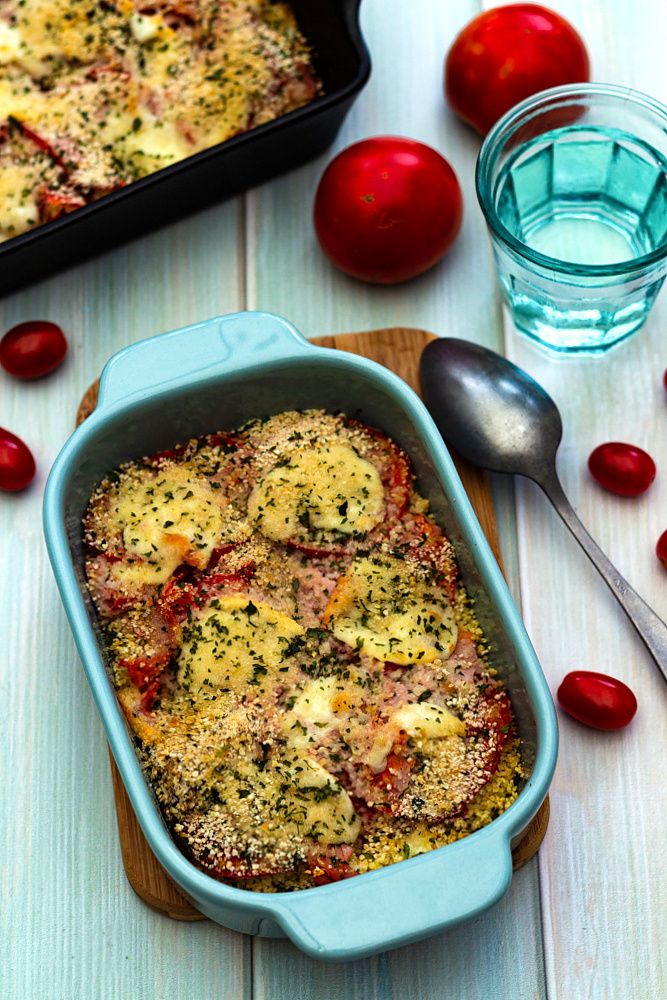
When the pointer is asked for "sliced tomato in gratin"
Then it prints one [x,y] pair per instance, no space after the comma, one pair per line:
[421,540]
[439,759]
[186,592]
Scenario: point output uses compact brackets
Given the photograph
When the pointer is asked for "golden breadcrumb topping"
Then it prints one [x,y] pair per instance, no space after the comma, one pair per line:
[310,690]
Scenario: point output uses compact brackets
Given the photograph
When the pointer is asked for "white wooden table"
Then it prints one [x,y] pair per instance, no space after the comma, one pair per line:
[585,920]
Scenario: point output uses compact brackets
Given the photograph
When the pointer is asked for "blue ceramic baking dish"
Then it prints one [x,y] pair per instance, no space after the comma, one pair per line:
[219,374]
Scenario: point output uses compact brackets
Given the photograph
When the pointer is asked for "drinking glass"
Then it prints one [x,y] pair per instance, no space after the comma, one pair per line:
[573,185]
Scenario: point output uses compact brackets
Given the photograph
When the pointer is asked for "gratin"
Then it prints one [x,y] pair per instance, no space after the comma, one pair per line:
[94,95]
[311,694]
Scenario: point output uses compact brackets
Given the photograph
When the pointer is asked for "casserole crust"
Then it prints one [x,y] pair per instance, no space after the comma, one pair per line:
[304,674]
[95,95]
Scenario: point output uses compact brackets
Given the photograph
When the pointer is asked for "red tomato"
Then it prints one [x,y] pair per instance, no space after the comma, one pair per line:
[387,209]
[506,54]
[330,867]
[42,143]
[32,349]
[17,466]
[664,380]
[622,468]
[144,670]
[597,700]
[661,549]
[55,203]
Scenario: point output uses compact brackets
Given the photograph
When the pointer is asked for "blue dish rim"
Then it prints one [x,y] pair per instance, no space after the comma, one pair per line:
[519,116]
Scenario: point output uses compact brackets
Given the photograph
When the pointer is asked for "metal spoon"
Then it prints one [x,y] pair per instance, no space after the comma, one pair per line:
[496,416]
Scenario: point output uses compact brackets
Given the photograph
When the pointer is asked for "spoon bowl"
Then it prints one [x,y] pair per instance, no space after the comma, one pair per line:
[493,413]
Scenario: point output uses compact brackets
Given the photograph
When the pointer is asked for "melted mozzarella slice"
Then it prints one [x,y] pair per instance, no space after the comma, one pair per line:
[145,27]
[330,488]
[321,807]
[237,645]
[419,720]
[427,720]
[420,840]
[383,607]
[165,518]
[321,706]
[265,806]
[155,145]
[10,43]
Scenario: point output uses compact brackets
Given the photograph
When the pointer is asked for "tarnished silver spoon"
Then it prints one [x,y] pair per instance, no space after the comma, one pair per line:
[496,416]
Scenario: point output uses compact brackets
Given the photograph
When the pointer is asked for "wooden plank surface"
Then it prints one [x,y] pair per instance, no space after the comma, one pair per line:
[591,922]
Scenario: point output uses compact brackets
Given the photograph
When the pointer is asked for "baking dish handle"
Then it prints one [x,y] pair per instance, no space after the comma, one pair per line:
[402,903]
[222,345]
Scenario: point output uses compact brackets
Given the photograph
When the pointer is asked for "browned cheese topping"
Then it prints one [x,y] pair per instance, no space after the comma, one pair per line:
[94,95]
[309,688]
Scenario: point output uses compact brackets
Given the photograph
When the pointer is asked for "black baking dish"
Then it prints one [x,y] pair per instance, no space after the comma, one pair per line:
[342,62]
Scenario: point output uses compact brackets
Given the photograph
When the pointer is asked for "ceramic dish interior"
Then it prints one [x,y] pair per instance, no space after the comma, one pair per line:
[219,374]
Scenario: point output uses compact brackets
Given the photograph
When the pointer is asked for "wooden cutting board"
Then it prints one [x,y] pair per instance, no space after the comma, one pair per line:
[398,348]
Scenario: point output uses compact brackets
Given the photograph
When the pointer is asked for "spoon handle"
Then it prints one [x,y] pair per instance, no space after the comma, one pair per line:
[651,629]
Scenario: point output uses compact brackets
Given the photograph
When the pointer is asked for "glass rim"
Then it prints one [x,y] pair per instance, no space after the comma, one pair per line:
[516,116]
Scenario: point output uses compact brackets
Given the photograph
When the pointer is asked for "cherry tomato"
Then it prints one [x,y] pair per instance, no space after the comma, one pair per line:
[17,466]
[661,549]
[506,54]
[664,380]
[622,468]
[32,349]
[597,700]
[387,209]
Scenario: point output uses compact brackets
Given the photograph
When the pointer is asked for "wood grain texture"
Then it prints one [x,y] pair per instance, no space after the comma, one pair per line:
[398,348]
[144,872]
